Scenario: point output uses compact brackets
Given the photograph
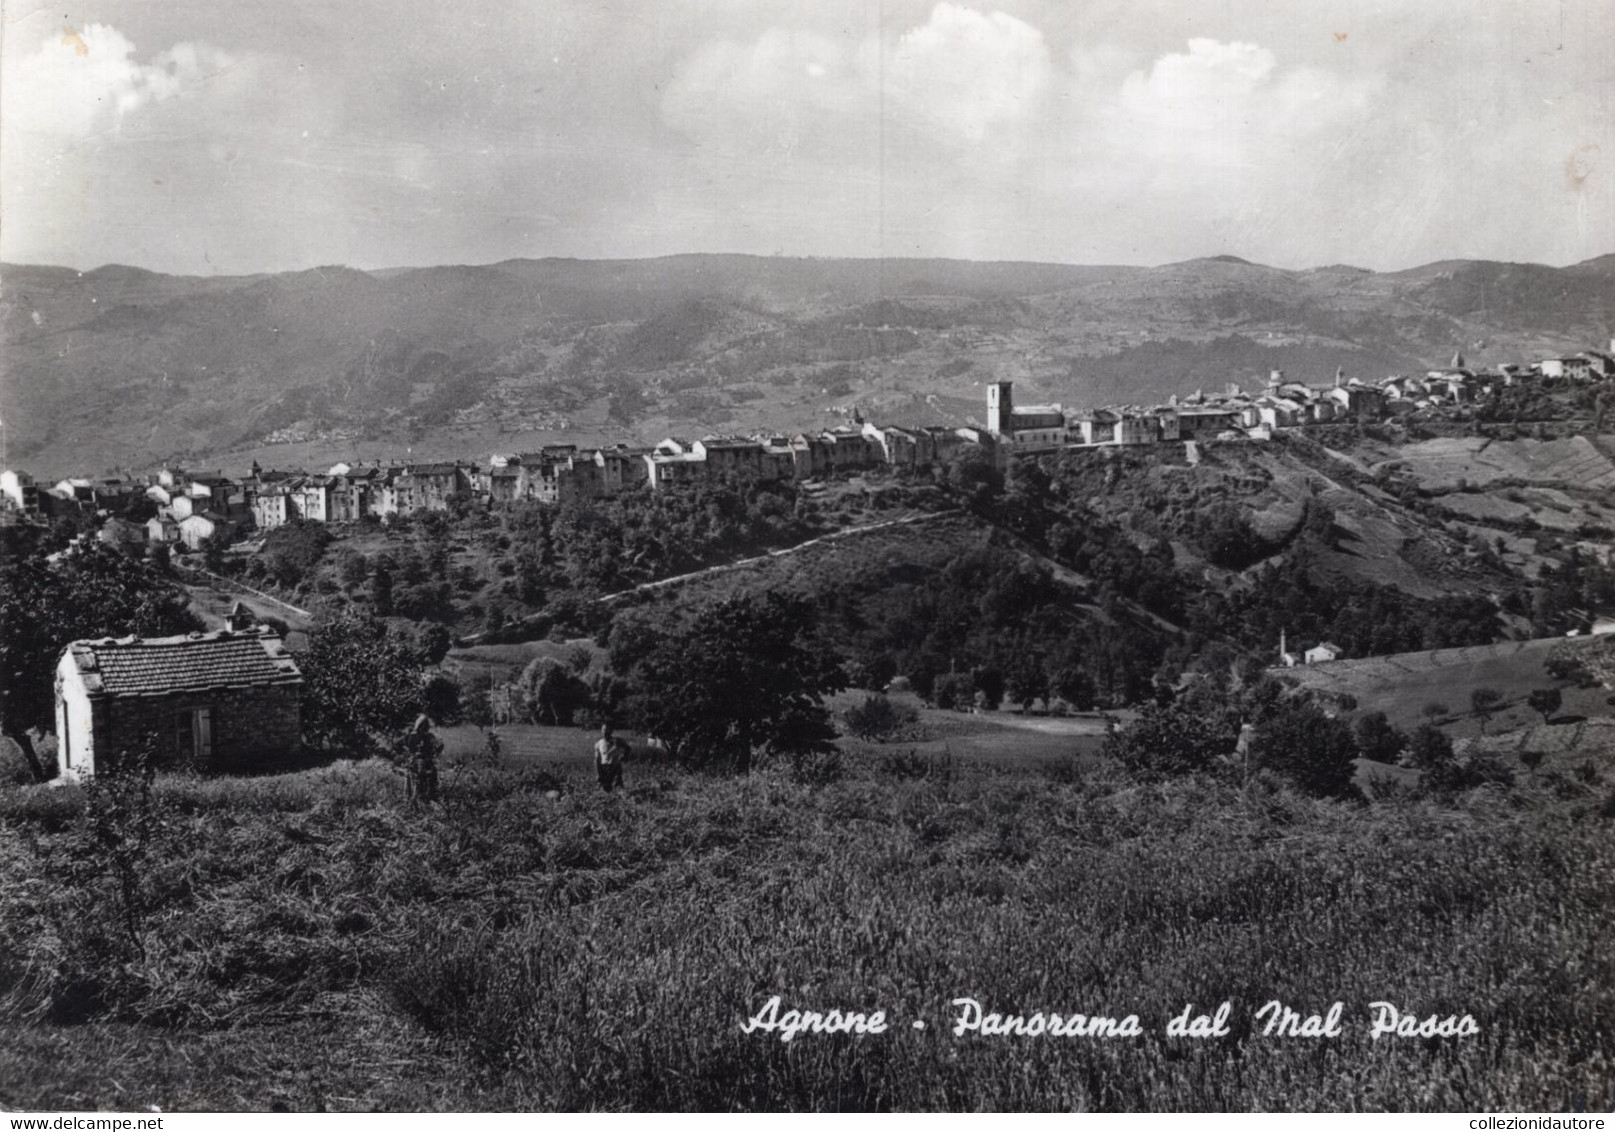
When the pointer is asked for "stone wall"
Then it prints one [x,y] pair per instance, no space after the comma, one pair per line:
[252,727]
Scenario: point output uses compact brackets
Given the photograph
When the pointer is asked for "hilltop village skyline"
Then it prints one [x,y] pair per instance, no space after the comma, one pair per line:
[195,507]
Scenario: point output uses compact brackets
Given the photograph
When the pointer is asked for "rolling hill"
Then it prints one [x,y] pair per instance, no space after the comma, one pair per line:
[121,366]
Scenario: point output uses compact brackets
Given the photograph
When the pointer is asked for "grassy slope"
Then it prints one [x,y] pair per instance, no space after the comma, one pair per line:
[312,943]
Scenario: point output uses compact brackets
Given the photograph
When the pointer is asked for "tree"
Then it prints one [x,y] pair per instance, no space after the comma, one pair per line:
[952,690]
[433,641]
[1378,740]
[1315,752]
[381,588]
[1075,687]
[551,692]
[872,673]
[354,571]
[91,591]
[746,676]
[1485,701]
[989,682]
[476,706]
[1545,701]
[440,699]
[1429,747]
[1171,740]
[361,687]
[213,548]
[292,552]
[1028,683]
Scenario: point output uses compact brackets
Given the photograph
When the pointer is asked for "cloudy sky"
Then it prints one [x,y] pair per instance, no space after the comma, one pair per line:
[217,136]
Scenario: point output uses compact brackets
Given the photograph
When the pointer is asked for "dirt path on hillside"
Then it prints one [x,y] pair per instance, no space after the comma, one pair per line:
[230,585]
[833,536]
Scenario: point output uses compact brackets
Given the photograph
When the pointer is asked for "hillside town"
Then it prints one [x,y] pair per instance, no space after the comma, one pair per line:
[193,507]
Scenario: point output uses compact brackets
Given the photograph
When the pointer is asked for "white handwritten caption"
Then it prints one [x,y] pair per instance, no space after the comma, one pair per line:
[970,1016]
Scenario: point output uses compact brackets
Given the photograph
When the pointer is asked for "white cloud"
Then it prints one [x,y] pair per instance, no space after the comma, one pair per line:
[960,78]
[242,136]
[1221,109]
[968,122]
[83,82]
[766,99]
[964,73]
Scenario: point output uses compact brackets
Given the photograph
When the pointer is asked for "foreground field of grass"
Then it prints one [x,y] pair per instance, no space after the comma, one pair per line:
[307,941]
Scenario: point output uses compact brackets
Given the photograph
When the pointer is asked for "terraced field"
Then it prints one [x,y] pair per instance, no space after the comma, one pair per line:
[1440,463]
[1533,505]
[1402,685]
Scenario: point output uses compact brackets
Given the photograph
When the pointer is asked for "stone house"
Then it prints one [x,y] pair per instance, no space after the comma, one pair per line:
[1323,653]
[731,455]
[850,448]
[225,700]
[1096,427]
[162,528]
[898,446]
[20,490]
[940,441]
[311,499]
[428,486]
[350,494]
[198,527]
[504,484]
[271,506]
[664,469]
[1207,420]
[621,468]
[811,455]
[1575,368]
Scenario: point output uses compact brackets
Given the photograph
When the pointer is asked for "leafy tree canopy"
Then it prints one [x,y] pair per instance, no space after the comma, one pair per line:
[1171,740]
[747,676]
[1313,750]
[361,686]
[89,591]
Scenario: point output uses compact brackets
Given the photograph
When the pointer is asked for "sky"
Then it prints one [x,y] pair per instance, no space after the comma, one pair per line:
[229,137]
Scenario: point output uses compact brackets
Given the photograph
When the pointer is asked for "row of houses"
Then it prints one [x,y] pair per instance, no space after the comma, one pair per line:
[193,507]
[1280,404]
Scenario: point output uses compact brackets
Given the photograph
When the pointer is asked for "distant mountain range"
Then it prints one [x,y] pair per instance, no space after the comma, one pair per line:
[128,367]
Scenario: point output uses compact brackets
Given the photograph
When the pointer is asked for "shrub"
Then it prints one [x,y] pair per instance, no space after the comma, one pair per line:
[1378,740]
[817,768]
[1429,747]
[911,764]
[876,718]
[1545,701]
[953,690]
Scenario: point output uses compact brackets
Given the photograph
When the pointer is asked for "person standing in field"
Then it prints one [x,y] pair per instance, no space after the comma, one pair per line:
[609,752]
[421,749]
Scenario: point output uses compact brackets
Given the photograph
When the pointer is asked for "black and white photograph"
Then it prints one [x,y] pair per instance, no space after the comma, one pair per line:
[807,556]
